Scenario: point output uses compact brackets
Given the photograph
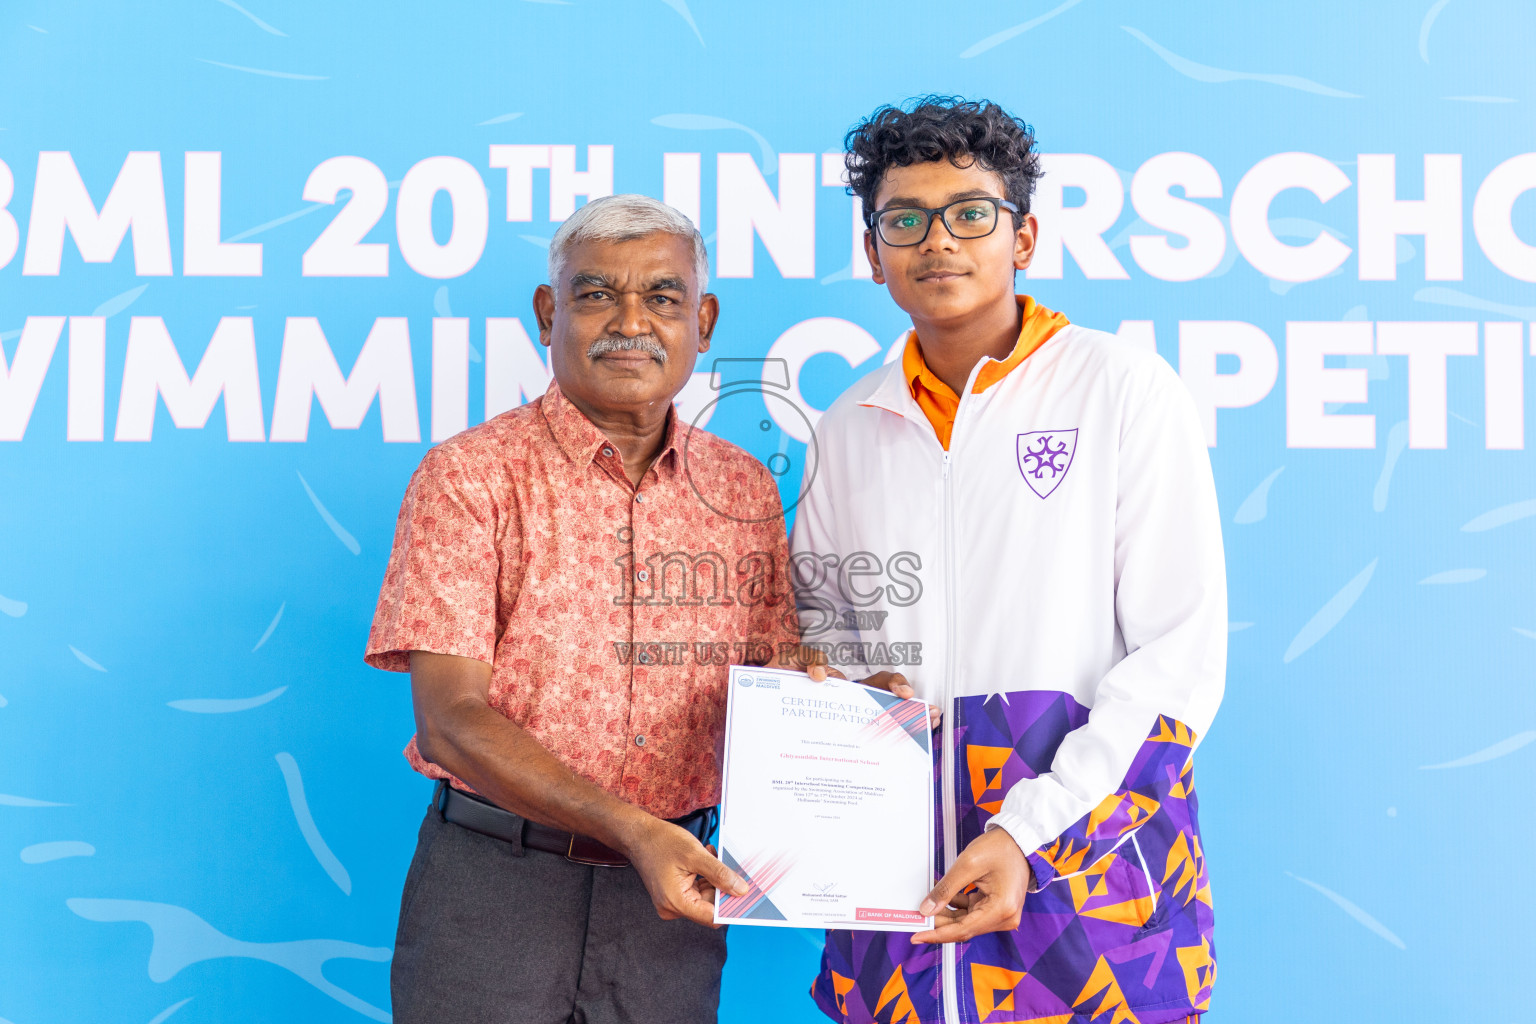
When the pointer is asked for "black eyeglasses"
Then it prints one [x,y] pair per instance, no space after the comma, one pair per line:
[965,218]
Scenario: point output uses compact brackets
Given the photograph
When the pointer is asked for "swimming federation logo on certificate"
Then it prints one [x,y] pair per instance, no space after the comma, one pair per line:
[1044,458]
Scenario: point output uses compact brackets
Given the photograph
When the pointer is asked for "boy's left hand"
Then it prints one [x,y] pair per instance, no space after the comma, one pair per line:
[995,865]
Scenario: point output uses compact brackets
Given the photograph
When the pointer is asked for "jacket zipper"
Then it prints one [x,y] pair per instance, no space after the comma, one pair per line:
[948,956]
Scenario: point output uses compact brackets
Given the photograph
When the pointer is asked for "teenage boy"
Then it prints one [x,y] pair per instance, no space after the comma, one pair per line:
[1052,487]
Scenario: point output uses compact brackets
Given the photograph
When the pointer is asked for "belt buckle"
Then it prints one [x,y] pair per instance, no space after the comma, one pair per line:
[593,854]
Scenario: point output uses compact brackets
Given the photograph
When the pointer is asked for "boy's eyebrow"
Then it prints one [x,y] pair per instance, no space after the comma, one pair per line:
[954,197]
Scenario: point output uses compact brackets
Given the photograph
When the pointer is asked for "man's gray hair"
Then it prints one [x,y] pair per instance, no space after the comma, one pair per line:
[623,217]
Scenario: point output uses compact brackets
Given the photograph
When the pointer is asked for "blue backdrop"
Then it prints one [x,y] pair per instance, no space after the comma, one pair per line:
[204,813]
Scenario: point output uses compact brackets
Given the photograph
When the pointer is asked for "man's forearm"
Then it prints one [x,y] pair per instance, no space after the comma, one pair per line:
[507,766]
[458,730]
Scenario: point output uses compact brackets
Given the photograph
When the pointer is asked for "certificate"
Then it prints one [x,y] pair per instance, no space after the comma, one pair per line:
[828,804]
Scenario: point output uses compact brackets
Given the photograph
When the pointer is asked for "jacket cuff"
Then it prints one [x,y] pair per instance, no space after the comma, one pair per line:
[1022,833]
[1041,872]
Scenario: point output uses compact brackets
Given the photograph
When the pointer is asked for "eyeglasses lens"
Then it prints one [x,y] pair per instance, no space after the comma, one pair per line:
[972,218]
[903,226]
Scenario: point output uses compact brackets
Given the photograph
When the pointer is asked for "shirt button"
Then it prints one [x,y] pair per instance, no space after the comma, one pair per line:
[608,452]
[639,741]
[645,657]
[639,497]
[642,575]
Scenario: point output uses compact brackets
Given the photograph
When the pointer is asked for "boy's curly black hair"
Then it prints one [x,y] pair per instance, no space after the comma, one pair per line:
[951,128]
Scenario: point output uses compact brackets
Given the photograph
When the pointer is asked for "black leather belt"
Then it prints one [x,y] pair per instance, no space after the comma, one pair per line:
[480,815]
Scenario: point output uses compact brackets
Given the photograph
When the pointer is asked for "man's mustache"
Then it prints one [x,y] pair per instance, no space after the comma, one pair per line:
[646,343]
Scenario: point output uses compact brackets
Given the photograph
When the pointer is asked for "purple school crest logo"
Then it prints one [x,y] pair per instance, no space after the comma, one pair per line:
[1044,458]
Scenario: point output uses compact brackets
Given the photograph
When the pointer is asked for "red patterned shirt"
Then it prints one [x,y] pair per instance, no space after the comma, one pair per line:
[609,613]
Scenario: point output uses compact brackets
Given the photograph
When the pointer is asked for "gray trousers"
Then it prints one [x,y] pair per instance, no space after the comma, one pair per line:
[491,933]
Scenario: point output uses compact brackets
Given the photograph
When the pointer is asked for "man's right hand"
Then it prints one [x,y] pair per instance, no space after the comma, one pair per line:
[896,684]
[680,873]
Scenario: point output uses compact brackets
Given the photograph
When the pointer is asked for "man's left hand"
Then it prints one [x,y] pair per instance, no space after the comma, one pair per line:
[995,865]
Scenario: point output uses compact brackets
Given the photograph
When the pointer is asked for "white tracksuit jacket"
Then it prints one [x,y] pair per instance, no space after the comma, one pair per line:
[1067,543]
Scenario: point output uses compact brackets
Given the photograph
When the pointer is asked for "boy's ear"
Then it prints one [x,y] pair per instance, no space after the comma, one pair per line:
[1024,241]
[873,252]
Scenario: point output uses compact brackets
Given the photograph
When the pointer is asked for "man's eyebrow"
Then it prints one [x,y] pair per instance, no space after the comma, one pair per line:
[584,280]
[668,283]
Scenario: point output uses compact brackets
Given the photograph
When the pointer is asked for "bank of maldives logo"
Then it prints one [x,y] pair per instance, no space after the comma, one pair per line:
[1044,458]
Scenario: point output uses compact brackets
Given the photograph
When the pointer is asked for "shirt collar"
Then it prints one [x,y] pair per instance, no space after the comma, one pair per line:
[1037,325]
[914,370]
[671,444]
[583,443]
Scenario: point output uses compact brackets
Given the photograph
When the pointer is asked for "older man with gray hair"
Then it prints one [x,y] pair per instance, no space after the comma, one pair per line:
[547,594]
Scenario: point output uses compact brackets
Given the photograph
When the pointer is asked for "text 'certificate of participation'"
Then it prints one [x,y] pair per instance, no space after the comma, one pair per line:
[828,804]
